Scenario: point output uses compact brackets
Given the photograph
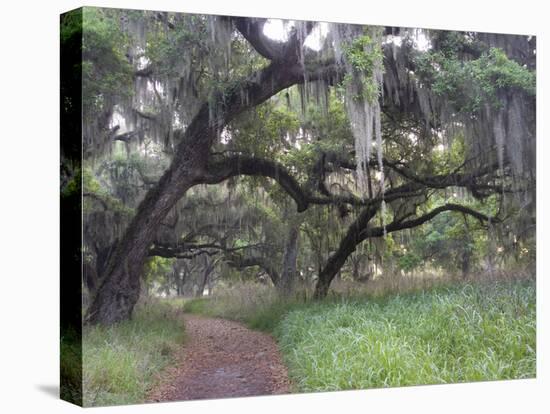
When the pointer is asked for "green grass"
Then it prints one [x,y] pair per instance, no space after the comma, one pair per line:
[468,333]
[465,332]
[120,362]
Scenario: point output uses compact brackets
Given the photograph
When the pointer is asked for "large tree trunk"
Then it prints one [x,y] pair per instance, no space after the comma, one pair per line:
[321,288]
[209,266]
[288,275]
[181,271]
[348,244]
[119,291]
[333,266]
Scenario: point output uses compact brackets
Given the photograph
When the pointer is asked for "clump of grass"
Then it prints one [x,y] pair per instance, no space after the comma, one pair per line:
[469,332]
[120,361]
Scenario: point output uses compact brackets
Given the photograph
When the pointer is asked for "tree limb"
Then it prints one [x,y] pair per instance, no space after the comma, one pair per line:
[244,165]
[401,224]
[241,262]
[253,31]
[359,231]
[127,136]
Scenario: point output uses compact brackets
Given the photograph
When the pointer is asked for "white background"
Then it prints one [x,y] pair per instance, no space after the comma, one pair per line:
[29,208]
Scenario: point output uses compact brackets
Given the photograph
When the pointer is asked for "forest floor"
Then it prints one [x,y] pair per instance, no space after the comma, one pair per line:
[222,359]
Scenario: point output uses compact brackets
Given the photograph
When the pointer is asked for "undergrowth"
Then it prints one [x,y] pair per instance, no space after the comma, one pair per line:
[120,361]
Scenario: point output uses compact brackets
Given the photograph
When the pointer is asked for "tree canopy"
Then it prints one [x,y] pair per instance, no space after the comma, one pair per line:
[214,152]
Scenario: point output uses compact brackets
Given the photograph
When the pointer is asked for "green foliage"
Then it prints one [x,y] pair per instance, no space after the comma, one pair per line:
[89,182]
[186,49]
[452,43]
[263,131]
[93,190]
[121,360]
[449,242]
[361,61]
[74,185]
[106,72]
[71,26]
[468,84]
[330,125]
[364,55]
[494,70]
[199,306]
[156,268]
[167,48]
[450,158]
[409,261]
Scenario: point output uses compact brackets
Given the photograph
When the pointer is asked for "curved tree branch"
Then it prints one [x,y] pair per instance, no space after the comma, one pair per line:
[241,262]
[359,232]
[408,224]
[253,31]
[182,250]
[244,165]
[236,165]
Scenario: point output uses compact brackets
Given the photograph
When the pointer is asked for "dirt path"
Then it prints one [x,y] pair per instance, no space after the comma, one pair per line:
[222,359]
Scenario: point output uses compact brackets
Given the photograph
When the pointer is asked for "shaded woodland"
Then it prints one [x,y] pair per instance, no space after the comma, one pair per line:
[217,151]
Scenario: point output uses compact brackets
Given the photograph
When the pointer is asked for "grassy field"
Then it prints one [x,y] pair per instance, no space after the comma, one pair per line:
[455,333]
[120,362]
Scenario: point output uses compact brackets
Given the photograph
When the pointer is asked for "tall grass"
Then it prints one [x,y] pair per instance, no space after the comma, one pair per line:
[466,333]
[120,361]
[257,305]
[406,334]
